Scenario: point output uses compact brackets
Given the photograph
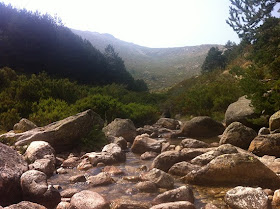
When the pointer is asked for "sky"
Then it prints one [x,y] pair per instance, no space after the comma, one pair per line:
[151,23]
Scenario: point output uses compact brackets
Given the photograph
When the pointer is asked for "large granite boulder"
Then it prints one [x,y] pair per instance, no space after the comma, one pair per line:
[238,135]
[234,169]
[121,127]
[24,125]
[202,126]
[240,111]
[168,123]
[274,121]
[144,143]
[266,145]
[62,134]
[12,166]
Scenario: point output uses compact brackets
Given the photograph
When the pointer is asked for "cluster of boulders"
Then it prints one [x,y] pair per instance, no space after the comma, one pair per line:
[241,157]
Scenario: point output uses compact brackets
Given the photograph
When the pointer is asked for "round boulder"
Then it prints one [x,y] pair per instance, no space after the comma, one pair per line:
[38,150]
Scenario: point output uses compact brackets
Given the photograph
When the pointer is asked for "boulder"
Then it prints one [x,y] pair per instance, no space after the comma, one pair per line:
[266,145]
[240,111]
[44,165]
[88,200]
[148,155]
[160,178]
[174,205]
[143,144]
[100,179]
[147,186]
[39,150]
[24,125]
[128,204]
[12,166]
[61,135]
[183,193]
[246,198]
[121,127]
[193,143]
[71,162]
[26,205]
[166,160]
[63,205]
[168,123]
[183,168]
[119,141]
[238,135]
[201,126]
[228,170]
[35,189]
[274,121]
[115,151]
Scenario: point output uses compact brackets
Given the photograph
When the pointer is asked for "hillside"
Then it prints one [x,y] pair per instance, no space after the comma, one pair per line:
[158,67]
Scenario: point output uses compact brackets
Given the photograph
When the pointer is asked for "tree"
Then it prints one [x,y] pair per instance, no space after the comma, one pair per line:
[214,60]
[247,15]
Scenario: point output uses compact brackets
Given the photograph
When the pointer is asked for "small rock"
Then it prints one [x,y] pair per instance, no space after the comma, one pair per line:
[174,205]
[148,155]
[61,171]
[274,121]
[44,165]
[128,204]
[159,177]
[112,170]
[147,186]
[168,123]
[84,165]
[100,179]
[193,143]
[276,198]
[143,144]
[68,193]
[71,162]
[183,168]
[77,178]
[38,150]
[263,131]
[63,205]
[210,206]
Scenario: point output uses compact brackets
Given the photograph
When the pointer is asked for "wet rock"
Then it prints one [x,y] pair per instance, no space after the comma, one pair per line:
[62,134]
[128,204]
[168,123]
[84,165]
[100,179]
[147,186]
[166,160]
[113,170]
[264,131]
[63,205]
[228,169]
[148,155]
[274,121]
[12,166]
[266,145]
[238,135]
[276,198]
[121,127]
[183,193]
[159,177]
[71,162]
[25,205]
[174,205]
[39,150]
[88,200]
[24,125]
[68,193]
[201,126]
[246,198]
[193,143]
[183,168]
[143,144]
[77,178]
[44,165]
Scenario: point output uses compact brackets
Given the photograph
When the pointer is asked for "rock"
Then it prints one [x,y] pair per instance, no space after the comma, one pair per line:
[174,205]
[148,155]
[71,162]
[100,179]
[61,171]
[168,123]
[35,189]
[77,178]
[266,145]
[61,135]
[210,206]
[160,178]
[113,170]
[246,198]
[63,205]
[238,135]
[88,200]
[271,162]
[24,125]
[183,193]
[188,154]
[121,127]
[84,165]
[183,168]
[201,126]
[68,193]
[193,143]
[264,131]
[143,144]
[276,198]
[115,151]
[119,141]
[128,204]
[44,165]
[26,205]
[39,150]
[228,169]
[166,160]
[12,166]
[147,186]
[240,111]
[274,121]
[147,130]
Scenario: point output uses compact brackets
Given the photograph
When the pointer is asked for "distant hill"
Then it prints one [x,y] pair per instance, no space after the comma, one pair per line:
[159,67]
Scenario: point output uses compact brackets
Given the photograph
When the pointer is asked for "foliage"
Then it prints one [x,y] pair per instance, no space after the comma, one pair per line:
[214,60]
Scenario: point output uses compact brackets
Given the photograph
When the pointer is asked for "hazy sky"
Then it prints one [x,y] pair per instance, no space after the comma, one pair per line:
[152,23]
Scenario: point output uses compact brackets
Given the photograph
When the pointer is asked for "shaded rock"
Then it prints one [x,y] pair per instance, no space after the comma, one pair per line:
[246,198]
[77,178]
[63,205]
[148,155]
[238,135]
[174,205]
[26,205]
[201,126]
[264,131]
[143,144]
[100,179]
[183,168]
[12,166]
[24,125]
[128,204]
[44,165]
[39,150]
[274,121]
[168,123]
[113,170]
[228,169]
[121,127]
[266,145]
[61,135]
[160,178]
[147,186]
[88,200]
[193,143]
[183,193]
[68,193]
[276,198]
[71,162]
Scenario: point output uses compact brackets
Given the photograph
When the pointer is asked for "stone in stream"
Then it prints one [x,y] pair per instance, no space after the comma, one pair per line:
[100,179]
[44,165]
[77,178]
[25,205]
[119,141]
[68,193]
[71,162]
[246,198]
[63,205]
[159,177]
[174,205]
[193,143]
[147,186]
[143,144]
[128,204]
[148,155]
[183,168]
[112,170]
